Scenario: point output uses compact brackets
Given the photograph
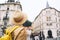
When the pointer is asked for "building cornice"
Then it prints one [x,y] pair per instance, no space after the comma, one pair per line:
[43,10]
[10,3]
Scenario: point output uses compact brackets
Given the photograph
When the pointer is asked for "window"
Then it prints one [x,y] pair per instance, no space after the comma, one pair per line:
[58,32]
[0,6]
[59,14]
[49,24]
[48,18]
[0,18]
[48,11]
[59,20]
[19,7]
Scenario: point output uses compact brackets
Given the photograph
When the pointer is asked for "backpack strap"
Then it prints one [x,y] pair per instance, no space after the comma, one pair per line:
[20,29]
[15,27]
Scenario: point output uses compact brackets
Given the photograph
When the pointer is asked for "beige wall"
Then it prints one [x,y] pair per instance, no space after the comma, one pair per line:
[12,8]
[41,21]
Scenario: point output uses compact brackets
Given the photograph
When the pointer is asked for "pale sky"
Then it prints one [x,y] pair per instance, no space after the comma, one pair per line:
[33,7]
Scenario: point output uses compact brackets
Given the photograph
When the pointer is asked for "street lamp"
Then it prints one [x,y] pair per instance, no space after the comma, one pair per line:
[5,20]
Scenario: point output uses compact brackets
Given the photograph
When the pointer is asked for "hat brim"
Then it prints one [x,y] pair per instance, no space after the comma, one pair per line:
[21,22]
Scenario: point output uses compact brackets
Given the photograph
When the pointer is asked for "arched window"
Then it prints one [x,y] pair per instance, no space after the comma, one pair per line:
[49,34]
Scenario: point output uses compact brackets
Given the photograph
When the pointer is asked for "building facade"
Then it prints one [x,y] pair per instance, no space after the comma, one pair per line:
[48,19]
[11,7]
[6,11]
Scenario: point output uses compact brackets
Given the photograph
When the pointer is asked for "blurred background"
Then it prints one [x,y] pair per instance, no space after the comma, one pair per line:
[33,7]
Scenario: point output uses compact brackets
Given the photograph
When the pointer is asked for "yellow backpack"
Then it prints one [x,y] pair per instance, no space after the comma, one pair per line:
[7,35]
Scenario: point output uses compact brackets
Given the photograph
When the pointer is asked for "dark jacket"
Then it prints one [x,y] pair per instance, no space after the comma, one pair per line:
[41,37]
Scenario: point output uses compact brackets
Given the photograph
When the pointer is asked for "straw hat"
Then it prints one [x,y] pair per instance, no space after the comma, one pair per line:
[18,18]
